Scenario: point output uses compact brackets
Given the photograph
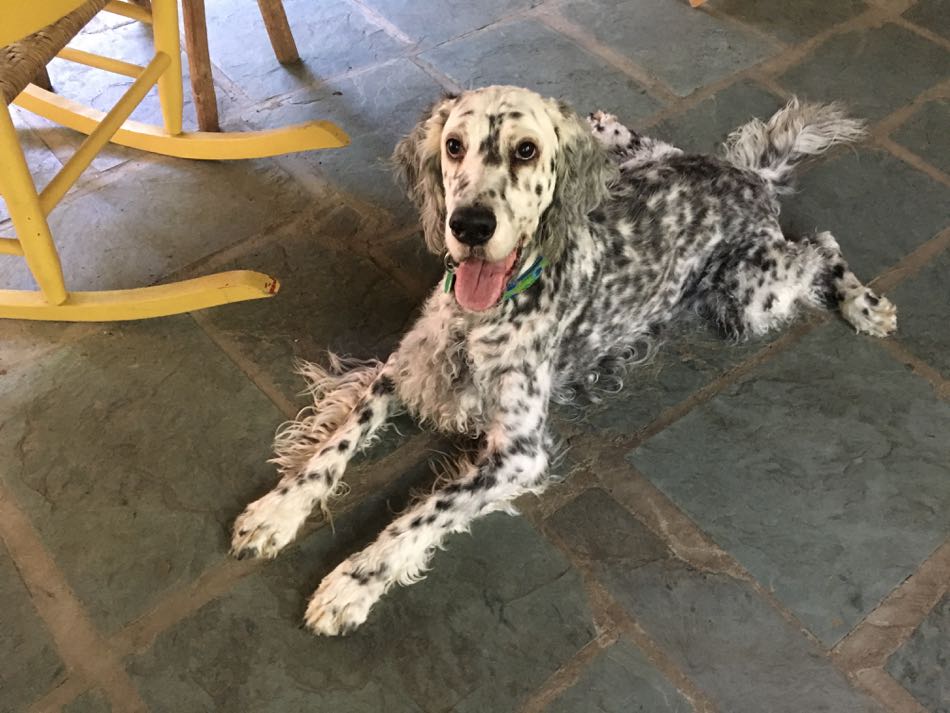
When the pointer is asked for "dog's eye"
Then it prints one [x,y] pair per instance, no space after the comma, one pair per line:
[526,151]
[454,148]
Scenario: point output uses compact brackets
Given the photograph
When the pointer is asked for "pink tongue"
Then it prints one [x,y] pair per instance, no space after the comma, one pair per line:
[480,284]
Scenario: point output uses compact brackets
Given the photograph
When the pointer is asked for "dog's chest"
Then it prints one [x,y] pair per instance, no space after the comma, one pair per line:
[452,373]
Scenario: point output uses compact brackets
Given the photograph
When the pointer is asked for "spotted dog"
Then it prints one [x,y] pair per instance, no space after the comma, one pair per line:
[566,244]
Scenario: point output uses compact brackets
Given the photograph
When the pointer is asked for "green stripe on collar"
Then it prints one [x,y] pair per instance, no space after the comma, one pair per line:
[515,287]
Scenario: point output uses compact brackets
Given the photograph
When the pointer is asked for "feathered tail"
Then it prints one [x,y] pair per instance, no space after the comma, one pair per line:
[793,133]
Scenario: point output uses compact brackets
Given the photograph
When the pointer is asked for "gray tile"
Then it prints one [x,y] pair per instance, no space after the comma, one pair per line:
[877,206]
[430,24]
[42,162]
[330,299]
[924,313]
[922,665]
[89,702]
[931,15]
[142,225]
[791,22]
[331,37]
[132,450]
[690,355]
[874,71]
[527,54]
[498,613]
[31,664]
[654,35]
[376,108]
[703,128]
[621,680]
[823,472]
[99,89]
[722,635]
[584,523]
[411,256]
[927,133]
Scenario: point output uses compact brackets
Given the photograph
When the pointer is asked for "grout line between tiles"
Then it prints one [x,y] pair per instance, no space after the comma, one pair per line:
[883,631]
[568,674]
[654,86]
[80,646]
[612,620]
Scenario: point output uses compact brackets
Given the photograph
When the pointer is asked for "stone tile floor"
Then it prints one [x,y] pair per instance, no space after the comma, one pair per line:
[753,527]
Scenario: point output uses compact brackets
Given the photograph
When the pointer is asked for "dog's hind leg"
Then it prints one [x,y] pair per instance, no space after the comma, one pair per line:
[756,283]
[839,287]
[351,403]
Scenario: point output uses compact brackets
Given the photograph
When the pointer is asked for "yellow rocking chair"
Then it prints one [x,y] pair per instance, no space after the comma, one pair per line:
[31,34]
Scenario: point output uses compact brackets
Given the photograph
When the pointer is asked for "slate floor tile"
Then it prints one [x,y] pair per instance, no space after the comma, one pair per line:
[874,71]
[132,450]
[878,207]
[376,108]
[704,127]
[430,24]
[924,316]
[138,227]
[88,702]
[931,15]
[498,613]
[330,299]
[411,256]
[724,637]
[527,54]
[621,680]
[791,22]
[642,33]
[690,355]
[42,162]
[822,471]
[128,41]
[922,665]
[30,662]
[927,133]
[331,37]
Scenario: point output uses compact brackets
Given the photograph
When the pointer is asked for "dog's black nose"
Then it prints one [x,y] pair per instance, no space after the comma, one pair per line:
[472,225]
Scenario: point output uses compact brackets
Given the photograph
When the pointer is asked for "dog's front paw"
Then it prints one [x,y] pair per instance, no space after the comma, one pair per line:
[869,313]
[268,525]
[341,602]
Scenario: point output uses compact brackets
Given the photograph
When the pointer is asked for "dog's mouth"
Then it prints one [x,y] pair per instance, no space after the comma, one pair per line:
[479,284]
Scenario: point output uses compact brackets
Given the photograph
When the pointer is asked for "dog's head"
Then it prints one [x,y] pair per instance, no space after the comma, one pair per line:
[495,172]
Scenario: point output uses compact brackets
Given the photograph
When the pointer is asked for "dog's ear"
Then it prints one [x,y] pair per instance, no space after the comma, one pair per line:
[417,161]
[583,175]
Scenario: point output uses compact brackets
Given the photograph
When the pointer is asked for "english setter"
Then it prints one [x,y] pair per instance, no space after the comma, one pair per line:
[566,243]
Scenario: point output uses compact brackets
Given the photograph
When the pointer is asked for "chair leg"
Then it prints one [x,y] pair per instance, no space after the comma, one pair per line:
[199,60]
[29,221]
[165,29]
[281,38]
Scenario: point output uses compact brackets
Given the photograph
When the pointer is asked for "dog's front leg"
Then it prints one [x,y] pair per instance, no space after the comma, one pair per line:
[350,405]
[513,461]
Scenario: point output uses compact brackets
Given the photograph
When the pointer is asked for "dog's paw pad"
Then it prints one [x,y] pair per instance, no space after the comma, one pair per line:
[268,525]
[870,314]
[341,603]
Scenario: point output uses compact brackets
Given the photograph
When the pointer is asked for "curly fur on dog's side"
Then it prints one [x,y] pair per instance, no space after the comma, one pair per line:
[633,230]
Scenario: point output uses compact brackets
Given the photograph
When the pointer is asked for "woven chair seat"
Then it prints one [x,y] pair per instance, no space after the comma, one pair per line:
[21,61]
